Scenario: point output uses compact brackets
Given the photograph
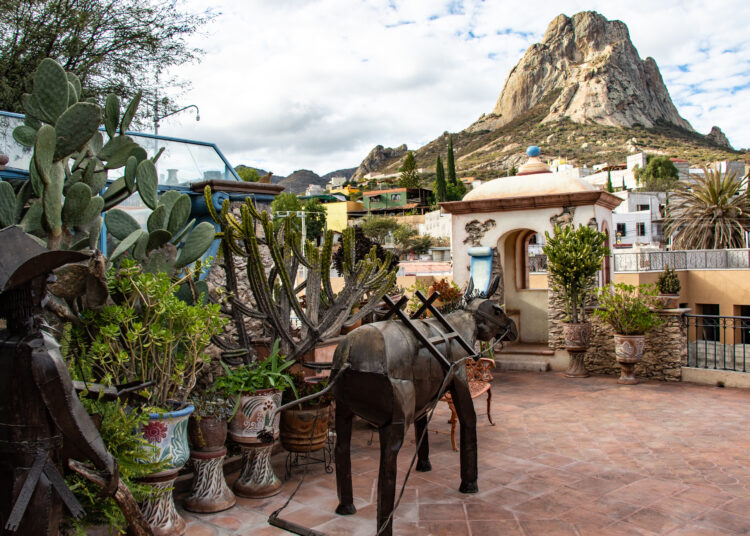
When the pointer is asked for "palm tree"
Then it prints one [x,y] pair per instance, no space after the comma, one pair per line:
[711,213]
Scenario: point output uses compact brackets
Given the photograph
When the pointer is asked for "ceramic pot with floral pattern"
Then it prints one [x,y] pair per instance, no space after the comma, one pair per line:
[168,432]
[254,415]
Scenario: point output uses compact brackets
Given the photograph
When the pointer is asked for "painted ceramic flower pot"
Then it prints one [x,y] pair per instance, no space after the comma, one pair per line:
[629,351]
[257,477]
[254,415]
[577,339]
[207,434]
[577,336]
[296,429]
[168,433]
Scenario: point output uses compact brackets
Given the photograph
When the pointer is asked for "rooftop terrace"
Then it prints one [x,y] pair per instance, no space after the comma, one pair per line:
[567,457]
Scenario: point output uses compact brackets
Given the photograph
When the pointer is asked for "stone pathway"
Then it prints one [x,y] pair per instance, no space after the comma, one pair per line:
[567,457]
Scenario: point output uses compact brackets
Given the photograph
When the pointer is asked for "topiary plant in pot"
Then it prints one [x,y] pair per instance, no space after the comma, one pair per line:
[574,256]
[669,286]
[629,310]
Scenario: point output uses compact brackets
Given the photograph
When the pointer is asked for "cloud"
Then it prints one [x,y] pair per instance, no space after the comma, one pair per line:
[297,84]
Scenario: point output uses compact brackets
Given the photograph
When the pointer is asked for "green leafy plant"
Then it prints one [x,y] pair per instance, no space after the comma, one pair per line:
[303,388]
[117,425]
[668,282]
[211,404]
[148,334]
[627,308]
[247,379]
[574,256]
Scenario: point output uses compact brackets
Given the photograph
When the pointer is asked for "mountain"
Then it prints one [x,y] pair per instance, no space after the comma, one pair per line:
[378,158]
[347,173]
[584,94]
[298,181]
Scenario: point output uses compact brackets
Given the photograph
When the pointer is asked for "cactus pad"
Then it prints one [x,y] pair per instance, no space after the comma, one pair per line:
[51,89]
[76,126]
[196,244]
[120,224]
[146,182]
[7,204]
[111,114]
[76,201]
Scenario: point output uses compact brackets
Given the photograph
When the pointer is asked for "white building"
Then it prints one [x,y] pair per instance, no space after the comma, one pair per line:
[314,189]
[336,182]
[640,218]
[435,224]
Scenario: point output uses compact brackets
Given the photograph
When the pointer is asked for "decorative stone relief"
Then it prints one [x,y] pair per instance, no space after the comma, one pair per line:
[565,218]
[477,230]
[593,224]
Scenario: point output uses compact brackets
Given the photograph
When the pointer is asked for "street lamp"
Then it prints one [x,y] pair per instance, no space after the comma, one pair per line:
[158,118]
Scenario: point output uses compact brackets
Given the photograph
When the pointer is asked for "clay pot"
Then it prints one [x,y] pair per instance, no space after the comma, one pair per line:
[346,328]
[628,352]
[577,336]
[207,434]
[296,426]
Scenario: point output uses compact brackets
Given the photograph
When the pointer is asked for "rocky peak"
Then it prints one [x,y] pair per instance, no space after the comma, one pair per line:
[378,158]
[598,73]
[718,137]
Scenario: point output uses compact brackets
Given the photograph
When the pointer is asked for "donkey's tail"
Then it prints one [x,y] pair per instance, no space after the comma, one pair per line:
[266,435]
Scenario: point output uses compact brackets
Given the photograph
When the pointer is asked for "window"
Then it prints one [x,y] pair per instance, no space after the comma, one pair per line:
[743,324]
[641,227]
[710,325]
[642,207]
[395,197]
[622,229]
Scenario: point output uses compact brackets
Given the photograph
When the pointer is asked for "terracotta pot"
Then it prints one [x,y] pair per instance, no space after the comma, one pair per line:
[628,352]
[254,415]
[296,426]
[669,301]
[346,328]
[207,434]
[577,336]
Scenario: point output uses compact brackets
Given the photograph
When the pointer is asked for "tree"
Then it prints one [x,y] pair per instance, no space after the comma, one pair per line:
[440,187]
[362,247]
[610,188]
[711,213]
[403,238]
[116,46]
[247,174]
[286,202]
[659,175]
[315,218]
[409,177]
[451,163]
[457,191]
[379,227]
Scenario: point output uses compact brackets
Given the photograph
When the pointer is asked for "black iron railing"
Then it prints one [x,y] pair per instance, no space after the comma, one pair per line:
[718,342]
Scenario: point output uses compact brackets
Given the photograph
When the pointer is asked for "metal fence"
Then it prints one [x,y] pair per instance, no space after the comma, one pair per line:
[718,342]
[698,259]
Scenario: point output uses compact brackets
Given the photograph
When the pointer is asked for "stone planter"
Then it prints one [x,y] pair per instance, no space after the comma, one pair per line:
[668,301]
[628,352]
[167,432]
[296,427]
[257,478]
[577,339]
[210,492]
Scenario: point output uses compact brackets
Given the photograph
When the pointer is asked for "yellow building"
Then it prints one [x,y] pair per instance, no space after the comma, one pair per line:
[346,190]
[337,214]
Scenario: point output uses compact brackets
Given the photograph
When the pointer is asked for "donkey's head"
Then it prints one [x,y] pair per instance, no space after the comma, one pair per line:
[492,322]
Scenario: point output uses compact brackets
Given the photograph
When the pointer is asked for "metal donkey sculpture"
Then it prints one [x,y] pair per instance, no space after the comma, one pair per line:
[383,373]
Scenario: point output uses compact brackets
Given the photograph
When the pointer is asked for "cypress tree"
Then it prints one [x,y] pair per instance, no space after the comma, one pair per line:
[441,189]
[451,162]
[610,188]
[409,177]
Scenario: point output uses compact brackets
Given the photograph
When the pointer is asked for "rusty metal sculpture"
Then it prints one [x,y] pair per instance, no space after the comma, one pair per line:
[38,406]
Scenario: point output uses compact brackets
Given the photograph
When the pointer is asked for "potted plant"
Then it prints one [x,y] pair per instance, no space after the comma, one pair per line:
[574,256]
[629,310]
[669,288]
[148,334]
[256,390]
[207,431]
[304,427]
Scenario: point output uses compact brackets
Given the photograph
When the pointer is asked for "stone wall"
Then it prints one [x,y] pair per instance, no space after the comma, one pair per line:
[665,353]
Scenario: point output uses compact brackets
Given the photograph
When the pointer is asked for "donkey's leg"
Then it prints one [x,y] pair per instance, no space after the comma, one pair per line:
[344,418]
[468,419]
[391,439]
[423,454]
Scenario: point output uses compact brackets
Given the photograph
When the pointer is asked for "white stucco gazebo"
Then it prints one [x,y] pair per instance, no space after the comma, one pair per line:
[505,214]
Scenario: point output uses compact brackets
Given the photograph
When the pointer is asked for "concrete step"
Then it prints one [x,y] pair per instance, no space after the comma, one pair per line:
[520,362]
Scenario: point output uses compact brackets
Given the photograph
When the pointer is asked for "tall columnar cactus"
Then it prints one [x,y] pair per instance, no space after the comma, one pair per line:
[68,188]
[277,295]
[65,196]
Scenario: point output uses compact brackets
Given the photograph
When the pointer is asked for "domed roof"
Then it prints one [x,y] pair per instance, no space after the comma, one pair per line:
[537,184]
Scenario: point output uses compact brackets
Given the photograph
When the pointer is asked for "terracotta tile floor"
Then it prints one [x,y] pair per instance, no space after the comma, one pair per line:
[580,457]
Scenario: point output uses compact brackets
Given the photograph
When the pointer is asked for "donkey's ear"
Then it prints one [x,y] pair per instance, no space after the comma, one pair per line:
[493,286]
[469,288]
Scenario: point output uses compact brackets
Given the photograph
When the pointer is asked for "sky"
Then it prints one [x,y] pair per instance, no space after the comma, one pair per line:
[297,84]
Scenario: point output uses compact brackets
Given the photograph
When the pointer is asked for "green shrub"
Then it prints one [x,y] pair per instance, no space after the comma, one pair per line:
[627,308]
[668,282]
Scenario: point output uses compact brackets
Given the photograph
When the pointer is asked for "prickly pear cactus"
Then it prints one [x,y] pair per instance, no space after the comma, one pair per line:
[69,178]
